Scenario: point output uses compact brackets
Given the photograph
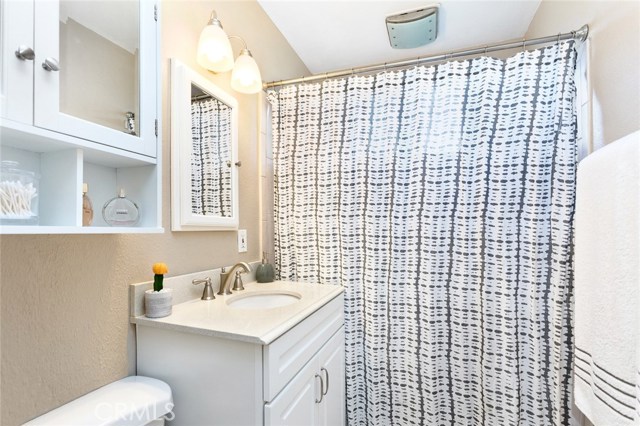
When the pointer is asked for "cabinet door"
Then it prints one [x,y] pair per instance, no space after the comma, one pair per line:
[16,82]
[297,404]
[95,71]
[331,359]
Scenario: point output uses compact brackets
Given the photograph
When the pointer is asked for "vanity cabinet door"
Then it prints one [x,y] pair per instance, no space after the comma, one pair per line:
[16,82]
[315,396]
[297,404]
[95,71]
[331,359]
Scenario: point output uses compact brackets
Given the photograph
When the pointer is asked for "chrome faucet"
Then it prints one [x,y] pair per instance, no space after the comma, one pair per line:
[225,278]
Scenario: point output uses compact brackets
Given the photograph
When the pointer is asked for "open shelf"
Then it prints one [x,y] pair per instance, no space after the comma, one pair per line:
[62,174]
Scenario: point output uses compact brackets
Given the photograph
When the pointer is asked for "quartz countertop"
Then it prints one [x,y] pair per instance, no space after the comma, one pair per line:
[261,326]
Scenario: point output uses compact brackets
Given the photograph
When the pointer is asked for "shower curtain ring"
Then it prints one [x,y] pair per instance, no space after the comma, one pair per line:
[523,41]
[486,48]
[558,39]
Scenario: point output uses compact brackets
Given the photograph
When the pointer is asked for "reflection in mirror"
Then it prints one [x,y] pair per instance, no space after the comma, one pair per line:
[99,62]
[210,155]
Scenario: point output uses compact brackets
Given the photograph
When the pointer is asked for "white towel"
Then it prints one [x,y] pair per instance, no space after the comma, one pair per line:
[607,284]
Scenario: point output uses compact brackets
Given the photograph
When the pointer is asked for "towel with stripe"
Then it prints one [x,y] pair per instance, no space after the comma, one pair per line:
[607,284]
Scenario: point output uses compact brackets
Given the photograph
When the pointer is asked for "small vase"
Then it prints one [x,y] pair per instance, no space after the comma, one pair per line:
[157,304]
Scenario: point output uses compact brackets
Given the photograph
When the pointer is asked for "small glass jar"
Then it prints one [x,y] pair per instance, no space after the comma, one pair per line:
[18,195]
[121,211]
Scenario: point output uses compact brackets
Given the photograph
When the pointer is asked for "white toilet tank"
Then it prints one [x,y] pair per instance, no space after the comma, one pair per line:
[132,401]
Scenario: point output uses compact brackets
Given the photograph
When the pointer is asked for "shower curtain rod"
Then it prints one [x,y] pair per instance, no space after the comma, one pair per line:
[580,34]
[201,97]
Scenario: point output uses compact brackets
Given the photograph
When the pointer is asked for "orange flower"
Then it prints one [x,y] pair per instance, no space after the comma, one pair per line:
[160,268]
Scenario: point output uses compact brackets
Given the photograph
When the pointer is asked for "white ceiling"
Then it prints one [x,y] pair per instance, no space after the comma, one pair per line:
[332,35]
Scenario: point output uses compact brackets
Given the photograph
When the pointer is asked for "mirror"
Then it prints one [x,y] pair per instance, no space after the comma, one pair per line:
[100,55]
[204,145]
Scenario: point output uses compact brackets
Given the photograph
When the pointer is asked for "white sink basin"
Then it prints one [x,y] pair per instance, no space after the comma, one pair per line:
[264,299]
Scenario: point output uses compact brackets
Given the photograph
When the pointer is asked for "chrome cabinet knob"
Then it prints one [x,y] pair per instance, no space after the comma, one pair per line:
[25,53]
[51,64]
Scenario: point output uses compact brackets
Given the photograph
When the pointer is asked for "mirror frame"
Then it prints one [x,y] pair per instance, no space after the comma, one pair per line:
[182,217]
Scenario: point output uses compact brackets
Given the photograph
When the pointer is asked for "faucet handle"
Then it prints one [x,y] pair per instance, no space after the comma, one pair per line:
[207,294]
[237,283]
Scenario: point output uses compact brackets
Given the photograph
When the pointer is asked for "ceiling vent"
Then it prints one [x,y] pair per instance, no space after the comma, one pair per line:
[413,29]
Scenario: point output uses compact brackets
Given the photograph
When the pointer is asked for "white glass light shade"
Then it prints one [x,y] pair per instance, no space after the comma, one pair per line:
[245,77]
[214,49]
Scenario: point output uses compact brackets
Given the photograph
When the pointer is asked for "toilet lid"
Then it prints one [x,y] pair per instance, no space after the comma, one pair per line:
[132,401]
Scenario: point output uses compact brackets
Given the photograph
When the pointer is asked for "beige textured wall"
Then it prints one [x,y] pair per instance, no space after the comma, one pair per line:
[614,58]
[64,303]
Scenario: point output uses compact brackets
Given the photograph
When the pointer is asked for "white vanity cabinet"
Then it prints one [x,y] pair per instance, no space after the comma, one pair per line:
[297,379]
[79,102]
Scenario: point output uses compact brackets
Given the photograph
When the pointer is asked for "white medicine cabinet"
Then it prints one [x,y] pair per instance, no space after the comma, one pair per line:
[79,103]
[204,153]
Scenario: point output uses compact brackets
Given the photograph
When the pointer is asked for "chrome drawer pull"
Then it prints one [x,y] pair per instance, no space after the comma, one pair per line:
[326,374]
[321,388]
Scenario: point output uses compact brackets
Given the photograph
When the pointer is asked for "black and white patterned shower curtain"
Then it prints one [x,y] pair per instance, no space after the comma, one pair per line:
[211,149]
[441,198]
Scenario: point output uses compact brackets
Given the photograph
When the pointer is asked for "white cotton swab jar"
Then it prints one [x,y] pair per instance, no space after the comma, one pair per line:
[18,195]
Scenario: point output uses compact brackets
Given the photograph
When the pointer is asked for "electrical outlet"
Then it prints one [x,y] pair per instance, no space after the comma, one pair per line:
[242,240]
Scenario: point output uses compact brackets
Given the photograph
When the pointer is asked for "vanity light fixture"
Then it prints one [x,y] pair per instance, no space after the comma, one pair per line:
[215,54]
[245,77]
[214,49]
